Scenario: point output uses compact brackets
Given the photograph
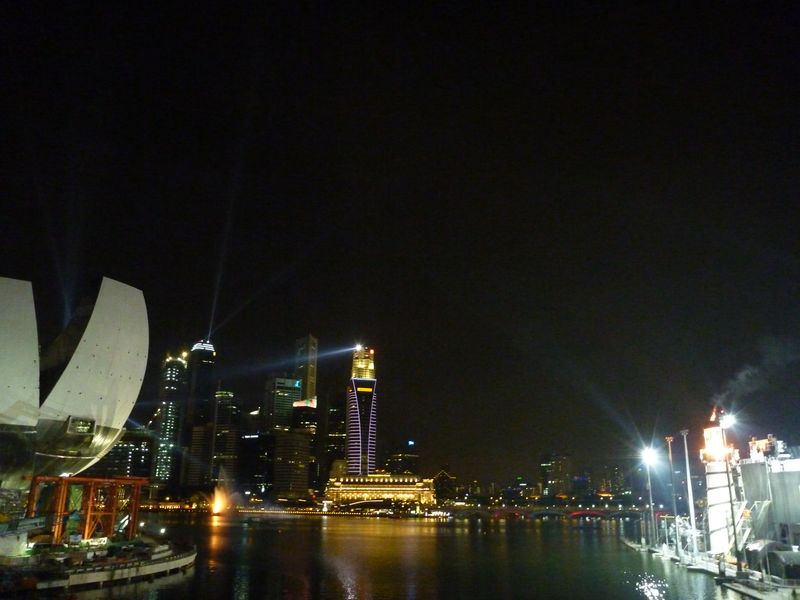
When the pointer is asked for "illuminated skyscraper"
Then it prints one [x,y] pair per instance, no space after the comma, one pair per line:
[362,413]
[172,399]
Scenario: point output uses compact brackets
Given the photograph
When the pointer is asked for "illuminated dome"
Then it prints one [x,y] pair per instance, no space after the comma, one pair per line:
[90,378]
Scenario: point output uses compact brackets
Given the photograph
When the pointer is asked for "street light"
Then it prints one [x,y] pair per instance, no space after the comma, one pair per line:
[684,433]
[726,422]
[649,457]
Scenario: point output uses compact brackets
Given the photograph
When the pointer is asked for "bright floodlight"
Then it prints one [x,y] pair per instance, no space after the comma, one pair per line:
[359,347]
[649,456]
[727,421]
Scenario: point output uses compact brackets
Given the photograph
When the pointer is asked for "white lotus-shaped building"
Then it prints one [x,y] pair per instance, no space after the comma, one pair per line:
[93,371]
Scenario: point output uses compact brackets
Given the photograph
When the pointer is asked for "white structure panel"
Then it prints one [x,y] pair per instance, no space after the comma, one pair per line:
[19,354]
[104,375]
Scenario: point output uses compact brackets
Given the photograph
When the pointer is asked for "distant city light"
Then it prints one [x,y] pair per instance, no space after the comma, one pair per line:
[411,442]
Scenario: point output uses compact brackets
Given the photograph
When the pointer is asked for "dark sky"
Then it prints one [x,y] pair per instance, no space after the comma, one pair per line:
[561,228]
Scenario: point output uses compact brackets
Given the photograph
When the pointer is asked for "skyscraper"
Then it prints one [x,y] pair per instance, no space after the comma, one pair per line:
[305,369]
[556,474]
[279,397]
[361,413]
[200,408]
[306,412]
[198,430]
[227,434]
[172,400]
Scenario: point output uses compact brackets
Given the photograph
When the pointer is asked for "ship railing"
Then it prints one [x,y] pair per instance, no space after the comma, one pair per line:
[130,564]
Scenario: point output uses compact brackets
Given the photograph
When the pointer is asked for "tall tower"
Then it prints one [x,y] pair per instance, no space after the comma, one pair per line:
[198,429]
[305,368]
[172,399]
[362,413]
[200,408]
[227,433]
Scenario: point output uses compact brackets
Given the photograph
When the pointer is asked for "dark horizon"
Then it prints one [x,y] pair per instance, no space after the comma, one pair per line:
[567,228]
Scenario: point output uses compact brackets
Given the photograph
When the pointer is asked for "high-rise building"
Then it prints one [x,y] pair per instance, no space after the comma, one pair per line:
[306,349]
[202,386]
[305,415]
[556,474]
[291,463]
[198,431]
[609,478]
[361,415]
[405,461]
[279,397]
[256,465]
[172,400]
[333,432]
[131,456]
[227,436]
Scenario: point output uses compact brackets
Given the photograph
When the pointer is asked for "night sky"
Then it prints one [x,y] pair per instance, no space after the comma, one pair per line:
[561,229]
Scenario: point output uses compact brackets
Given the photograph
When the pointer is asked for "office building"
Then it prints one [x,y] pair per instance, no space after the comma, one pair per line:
[172,391]
[336,426]
[405,461]
[227,436]
[256,465]
[198,428]
[131,456]
[361,415]
[291,464]
[556,474]
[306,350]
[280,395]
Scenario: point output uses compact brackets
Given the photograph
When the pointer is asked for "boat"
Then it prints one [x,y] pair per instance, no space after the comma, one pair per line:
[118,564]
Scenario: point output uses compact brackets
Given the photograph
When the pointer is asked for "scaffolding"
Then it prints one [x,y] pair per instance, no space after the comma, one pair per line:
[102,501]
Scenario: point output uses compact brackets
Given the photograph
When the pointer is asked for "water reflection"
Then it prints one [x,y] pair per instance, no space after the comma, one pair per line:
[304,558]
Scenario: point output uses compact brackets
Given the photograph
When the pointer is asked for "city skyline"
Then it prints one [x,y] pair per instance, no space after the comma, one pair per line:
[555,239]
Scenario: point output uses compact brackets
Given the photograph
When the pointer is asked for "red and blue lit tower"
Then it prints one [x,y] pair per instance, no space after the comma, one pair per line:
[361,415]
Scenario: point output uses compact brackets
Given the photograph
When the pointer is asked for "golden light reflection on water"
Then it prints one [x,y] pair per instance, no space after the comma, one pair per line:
[382,559]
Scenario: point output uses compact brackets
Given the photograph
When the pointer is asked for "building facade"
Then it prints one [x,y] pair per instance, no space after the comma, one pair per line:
[280,396]
[349,491]
[361,415]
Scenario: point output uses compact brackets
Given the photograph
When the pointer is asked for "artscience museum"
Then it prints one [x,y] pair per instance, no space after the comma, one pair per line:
[62,408]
